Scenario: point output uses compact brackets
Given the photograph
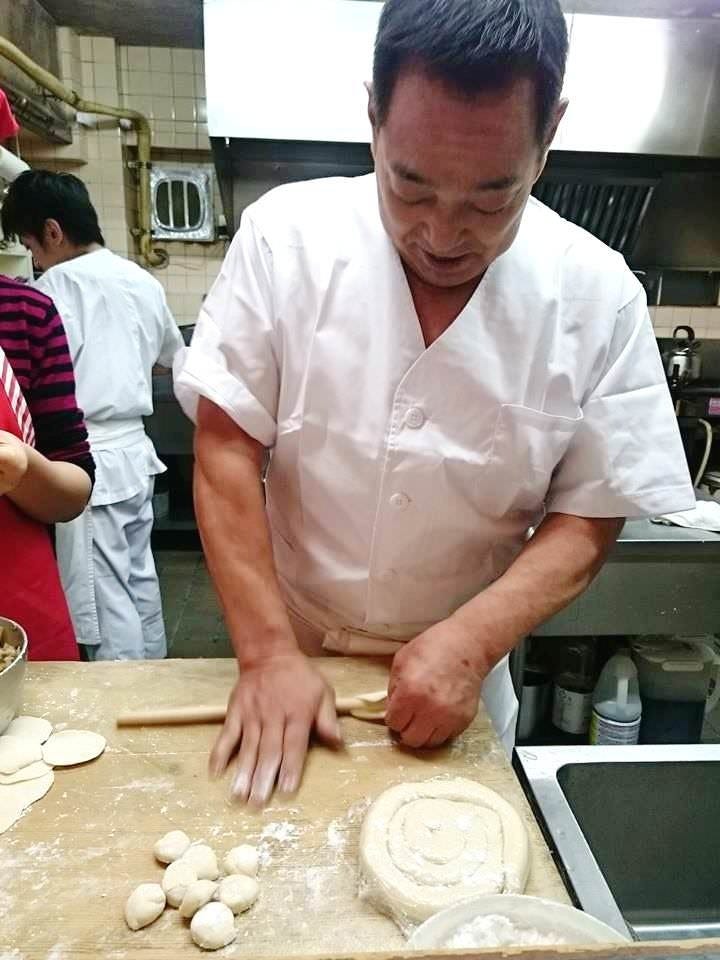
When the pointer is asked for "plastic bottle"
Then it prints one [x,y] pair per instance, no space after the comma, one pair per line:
[616,703]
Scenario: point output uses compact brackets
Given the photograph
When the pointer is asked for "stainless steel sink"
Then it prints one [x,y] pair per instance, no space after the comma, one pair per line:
[635,832]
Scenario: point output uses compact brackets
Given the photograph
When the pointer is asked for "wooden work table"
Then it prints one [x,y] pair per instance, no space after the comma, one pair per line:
[69,864]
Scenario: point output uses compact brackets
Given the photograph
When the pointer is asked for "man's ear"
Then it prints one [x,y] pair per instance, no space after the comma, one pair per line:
[372,115]
[550,135]
[559,113]
[53,234]
[371,103]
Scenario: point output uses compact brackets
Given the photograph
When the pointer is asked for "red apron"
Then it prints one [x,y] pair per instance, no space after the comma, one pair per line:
[30,588]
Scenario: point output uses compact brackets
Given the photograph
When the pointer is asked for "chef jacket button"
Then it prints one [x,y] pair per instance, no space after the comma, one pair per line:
[414,418]
[399,500]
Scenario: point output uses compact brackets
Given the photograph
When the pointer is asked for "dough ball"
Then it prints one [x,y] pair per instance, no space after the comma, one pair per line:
[16,753]
[202,858]
[144,905]
[171,846]
[196,896]
[69,747]
[31,772]
[238,892]
[213,926]
[425,846]
[176,879]
[242,859]
[30,728]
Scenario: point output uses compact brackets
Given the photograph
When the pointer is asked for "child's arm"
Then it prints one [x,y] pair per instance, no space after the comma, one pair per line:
[50,491]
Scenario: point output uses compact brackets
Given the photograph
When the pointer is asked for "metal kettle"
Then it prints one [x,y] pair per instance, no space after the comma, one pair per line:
[683,363]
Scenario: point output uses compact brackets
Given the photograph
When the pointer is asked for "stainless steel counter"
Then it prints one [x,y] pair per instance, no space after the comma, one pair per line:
[657,579]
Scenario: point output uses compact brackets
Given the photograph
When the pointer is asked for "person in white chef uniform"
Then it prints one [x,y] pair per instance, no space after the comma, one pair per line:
[118,327]
[436,363]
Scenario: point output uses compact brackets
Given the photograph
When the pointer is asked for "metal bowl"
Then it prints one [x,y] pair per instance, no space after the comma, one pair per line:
[11,679]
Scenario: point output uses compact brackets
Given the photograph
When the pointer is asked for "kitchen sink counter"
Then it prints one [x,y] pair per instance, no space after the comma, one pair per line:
[636,832]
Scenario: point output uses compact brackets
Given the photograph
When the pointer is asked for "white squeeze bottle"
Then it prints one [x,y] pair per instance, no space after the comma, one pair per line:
[616,703]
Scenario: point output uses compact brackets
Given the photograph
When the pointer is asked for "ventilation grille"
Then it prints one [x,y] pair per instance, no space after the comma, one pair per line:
[612,210]
[182,204]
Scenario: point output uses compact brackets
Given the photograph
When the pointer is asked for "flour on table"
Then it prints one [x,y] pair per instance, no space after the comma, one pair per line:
[495,930]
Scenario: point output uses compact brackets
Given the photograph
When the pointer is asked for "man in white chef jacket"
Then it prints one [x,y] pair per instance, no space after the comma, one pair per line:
[118,327]
[436,363]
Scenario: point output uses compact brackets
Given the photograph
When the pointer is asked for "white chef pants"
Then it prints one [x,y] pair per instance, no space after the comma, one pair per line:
[126,588]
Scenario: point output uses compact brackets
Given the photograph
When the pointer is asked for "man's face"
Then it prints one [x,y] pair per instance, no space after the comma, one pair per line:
[454,174]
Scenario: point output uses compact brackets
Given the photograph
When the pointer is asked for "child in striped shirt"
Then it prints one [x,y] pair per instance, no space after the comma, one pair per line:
[46,469]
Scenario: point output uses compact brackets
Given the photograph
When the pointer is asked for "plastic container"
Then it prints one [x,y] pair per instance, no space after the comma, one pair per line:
[573,691]
[617,708]
[675,676]
[546,916]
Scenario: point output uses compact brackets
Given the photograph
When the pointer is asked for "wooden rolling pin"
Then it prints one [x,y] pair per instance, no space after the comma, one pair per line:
[362,706]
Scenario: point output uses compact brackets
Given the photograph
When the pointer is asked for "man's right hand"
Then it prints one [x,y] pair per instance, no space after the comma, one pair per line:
[274,707]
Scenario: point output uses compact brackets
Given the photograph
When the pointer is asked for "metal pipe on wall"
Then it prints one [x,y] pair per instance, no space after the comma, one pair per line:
[152,257]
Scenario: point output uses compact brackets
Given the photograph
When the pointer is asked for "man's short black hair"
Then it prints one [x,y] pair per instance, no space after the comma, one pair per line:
[473,45]
[40,195]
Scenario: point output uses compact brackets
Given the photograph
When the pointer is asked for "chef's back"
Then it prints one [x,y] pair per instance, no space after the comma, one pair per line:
[118,327]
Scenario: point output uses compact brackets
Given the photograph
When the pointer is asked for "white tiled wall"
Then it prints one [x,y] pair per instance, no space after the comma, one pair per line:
[705,321]
[168,86]
[88,66]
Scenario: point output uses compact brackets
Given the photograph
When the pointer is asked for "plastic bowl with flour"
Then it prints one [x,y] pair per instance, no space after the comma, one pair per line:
[486,922]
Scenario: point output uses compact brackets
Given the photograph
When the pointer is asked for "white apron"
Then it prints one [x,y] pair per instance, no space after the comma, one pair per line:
[124,459]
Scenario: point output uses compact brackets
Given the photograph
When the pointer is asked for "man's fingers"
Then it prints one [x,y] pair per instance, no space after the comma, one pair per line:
[399,714]
[269,758]
[418,733]
[438,737]
[295,744]
[247,760]
[326,722]
[226,744]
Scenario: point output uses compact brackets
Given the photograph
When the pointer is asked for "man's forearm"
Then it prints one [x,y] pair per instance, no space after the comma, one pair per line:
[51,491]
[233,525]
[553,568]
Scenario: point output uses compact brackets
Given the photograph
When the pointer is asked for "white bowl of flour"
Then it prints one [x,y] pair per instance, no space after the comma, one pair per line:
[511,920]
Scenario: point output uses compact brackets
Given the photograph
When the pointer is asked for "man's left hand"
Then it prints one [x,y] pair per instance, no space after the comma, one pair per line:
[435,685]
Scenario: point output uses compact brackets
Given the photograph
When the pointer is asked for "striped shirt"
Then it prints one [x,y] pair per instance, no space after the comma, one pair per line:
[34,341]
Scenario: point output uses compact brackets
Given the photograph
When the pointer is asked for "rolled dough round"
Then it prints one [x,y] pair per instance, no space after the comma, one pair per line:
[31,772]
[16,753]
[427,845]
[68,747]
[30,728]
[16,797]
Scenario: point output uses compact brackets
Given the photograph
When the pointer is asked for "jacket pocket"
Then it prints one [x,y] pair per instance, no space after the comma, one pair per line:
[527,446]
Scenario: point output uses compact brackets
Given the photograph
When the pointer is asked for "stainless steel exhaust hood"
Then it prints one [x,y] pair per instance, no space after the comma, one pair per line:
[286,101]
